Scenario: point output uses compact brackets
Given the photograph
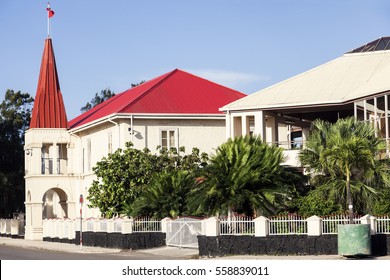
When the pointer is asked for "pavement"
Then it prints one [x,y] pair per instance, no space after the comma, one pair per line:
[171,252]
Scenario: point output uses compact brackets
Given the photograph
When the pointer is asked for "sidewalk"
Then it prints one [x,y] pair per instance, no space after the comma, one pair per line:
[170,252]
[184,253]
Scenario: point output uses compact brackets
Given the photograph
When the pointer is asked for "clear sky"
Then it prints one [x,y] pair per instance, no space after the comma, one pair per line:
[243,44]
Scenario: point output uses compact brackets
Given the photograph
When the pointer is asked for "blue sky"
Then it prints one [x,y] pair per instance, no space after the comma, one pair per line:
[243,44]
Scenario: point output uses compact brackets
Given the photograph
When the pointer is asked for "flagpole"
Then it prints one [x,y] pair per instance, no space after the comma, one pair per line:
[48,20]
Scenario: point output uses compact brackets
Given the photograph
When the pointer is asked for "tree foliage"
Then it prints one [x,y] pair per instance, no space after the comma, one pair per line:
[15,114]
[123,176]
[104,95]
[344,159]
[165,196]
[244,176]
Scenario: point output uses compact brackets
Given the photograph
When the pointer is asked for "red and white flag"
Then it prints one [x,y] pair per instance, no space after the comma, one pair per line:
[50,12]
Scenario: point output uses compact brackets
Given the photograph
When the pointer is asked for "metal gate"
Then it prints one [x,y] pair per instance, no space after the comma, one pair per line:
[183,232]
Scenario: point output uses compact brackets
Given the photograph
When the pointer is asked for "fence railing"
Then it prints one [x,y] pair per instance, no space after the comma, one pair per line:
[383,224]
[12,227]
[146,224]
[237,225]
[287,224]
[330,223]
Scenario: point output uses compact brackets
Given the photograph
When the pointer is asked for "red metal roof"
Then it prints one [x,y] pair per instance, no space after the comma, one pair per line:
[49,110]
[176,92]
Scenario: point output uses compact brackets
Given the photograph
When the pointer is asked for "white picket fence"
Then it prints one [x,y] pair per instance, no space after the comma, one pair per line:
[383,224]
[237,225]
[146,224]
[330,223]
[289,224]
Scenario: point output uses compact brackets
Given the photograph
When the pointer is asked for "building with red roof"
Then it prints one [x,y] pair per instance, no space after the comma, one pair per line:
[176,109]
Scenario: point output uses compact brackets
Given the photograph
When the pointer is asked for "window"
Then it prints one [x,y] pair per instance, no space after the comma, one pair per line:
[46,160]
[62,158]
[169,139]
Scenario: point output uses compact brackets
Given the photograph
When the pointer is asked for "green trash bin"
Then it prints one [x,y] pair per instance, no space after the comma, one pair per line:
[354,240]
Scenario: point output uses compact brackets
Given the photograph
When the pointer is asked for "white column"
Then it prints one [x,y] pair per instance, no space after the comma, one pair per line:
[212,227]
[244,125]
[261,226]
[260,124]
[305,135]
[366,220]
[55,158]
[164,224]
[14,227]
[387,124]
[376,116]
[314,226]
[36,161]
[270,130]
[228,125]
[110,226]
[127,226]
[34,229]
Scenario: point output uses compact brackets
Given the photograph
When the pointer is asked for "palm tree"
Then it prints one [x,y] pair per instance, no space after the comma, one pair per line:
[244,176]
[345,160]
[164,196]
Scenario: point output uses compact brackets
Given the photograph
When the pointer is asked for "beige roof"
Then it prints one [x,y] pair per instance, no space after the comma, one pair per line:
[349,77]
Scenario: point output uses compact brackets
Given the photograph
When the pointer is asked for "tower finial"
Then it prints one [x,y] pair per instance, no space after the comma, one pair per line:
[50,13]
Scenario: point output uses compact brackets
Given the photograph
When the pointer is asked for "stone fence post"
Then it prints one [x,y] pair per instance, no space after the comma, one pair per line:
[314,226]
[8,226]
[261,226]
[212,226]
[110,226]
[14,227]
[127,226]
[369,220]
[2,226]
[164,224]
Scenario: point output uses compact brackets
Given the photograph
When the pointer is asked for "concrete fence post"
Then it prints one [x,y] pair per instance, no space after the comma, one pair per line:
[96,225]
[110,226]
[261,226]
[2,226]
[212,226]
[127,226]
[164,224]
[60,228]
[314,226]
[72,229]
[366,220]
[14,227]
[373,225]
[8,226]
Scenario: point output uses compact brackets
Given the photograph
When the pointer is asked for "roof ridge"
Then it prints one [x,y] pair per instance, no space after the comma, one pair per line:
[215,83]
[167,75]
[95,109]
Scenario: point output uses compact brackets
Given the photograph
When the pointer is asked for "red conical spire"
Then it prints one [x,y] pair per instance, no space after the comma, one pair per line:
[49,110]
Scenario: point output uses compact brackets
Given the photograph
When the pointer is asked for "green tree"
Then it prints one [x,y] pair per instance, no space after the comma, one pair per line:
[165,196]
[104,95]
[244,176]
[15,114]
[124,175]
[344,159]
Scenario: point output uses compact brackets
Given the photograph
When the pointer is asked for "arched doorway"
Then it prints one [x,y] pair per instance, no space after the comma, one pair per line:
[54,204]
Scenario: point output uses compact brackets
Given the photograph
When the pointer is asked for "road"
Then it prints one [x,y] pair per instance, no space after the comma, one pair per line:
[20,253]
